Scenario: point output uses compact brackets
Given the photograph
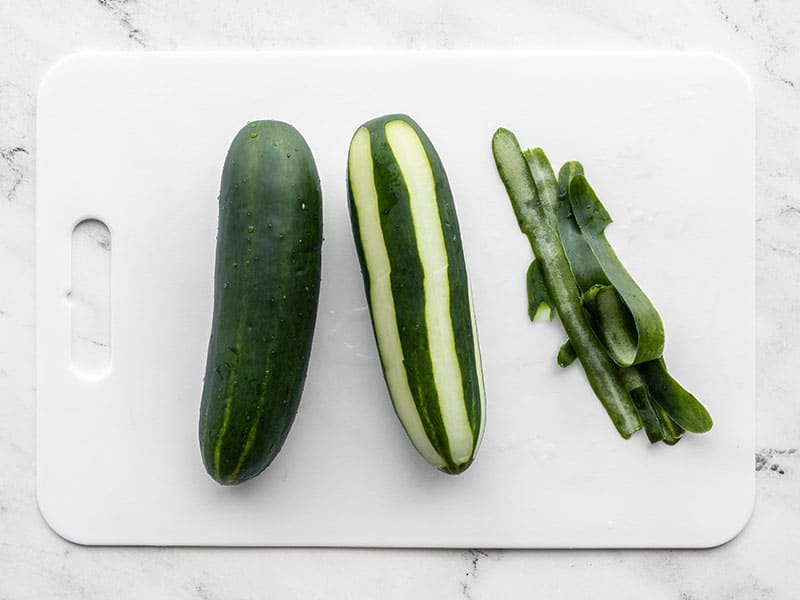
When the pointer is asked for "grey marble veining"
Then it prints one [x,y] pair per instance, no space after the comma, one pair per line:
[760,35]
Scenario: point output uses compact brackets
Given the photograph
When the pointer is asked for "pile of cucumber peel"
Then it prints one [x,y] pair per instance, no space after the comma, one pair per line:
[613,329]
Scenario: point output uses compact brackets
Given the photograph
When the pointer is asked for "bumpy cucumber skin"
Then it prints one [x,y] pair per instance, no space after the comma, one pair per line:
[407,285]
[266,289]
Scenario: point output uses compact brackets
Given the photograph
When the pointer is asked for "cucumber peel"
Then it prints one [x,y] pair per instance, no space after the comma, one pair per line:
[540,228]
[566,355]
[538,297]
[648,340]
[681,406]
[617,310]
[585,267]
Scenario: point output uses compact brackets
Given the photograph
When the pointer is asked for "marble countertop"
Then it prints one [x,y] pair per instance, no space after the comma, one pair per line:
[759,35]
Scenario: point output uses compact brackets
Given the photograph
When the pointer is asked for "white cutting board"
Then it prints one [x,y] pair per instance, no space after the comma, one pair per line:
[138,141]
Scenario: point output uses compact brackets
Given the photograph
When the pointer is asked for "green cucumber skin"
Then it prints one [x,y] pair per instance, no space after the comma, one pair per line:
[266,289]
[407,286]
[548,249]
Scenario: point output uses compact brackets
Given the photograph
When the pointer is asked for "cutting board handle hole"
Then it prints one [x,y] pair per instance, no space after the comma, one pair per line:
[89,299]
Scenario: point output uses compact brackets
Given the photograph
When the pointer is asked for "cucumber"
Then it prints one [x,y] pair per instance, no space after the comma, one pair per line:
[409,246]
[266,288]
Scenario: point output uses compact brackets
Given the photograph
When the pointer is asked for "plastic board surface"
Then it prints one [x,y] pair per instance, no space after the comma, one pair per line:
[138,141]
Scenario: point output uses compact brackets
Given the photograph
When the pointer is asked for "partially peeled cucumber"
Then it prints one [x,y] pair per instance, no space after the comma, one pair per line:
[415,276]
